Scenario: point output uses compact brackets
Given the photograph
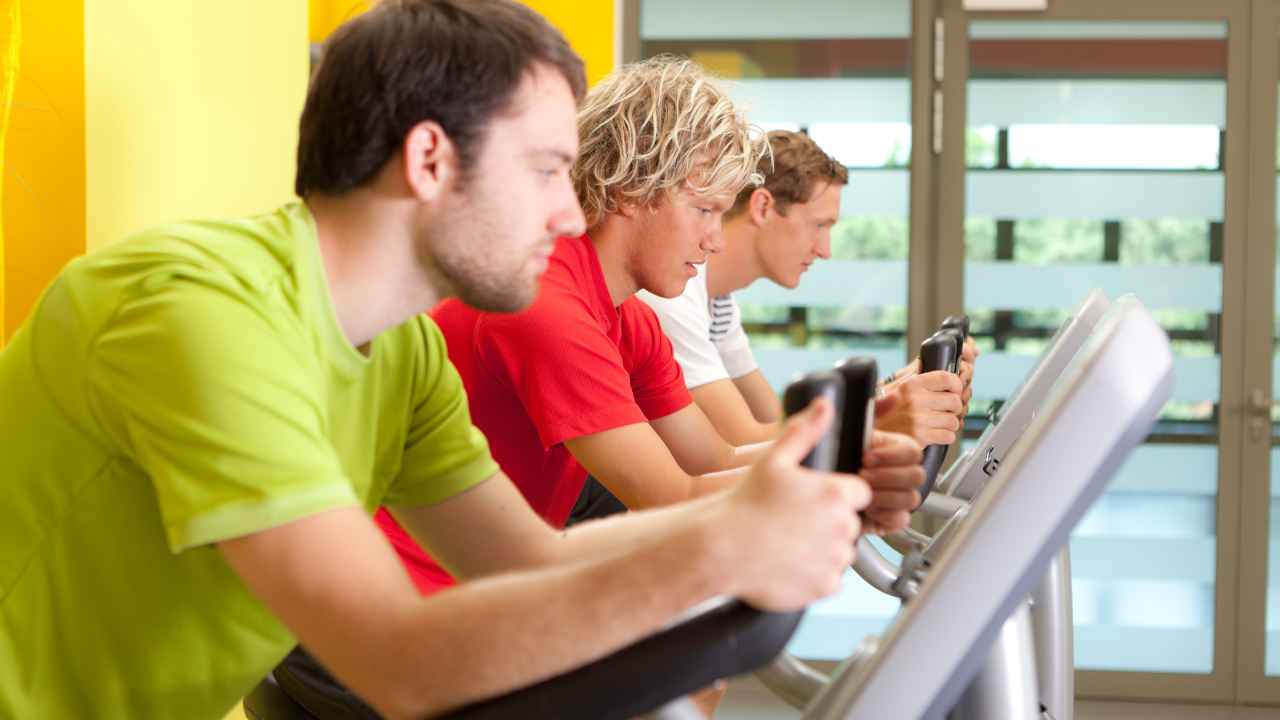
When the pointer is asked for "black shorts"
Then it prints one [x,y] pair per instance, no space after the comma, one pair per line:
[310,685]
[595,501]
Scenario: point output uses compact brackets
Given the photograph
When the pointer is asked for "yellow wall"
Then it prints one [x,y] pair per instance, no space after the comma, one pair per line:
[326,15]
[191,109]
[10,46]
[126,115]
[42,215]
[588,25]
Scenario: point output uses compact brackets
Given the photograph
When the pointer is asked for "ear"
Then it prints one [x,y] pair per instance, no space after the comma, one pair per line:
[627,208]
[760,206]
[431,163]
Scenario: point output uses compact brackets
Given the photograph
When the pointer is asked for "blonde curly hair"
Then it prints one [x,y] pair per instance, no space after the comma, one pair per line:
[652,127]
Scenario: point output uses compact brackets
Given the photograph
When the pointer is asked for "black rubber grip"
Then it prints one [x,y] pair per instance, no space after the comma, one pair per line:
[801,392]
[940,352]
[957,322]
[728,640]
[859,374]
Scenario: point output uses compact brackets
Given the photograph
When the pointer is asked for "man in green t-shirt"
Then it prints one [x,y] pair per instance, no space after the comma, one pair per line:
[198,421]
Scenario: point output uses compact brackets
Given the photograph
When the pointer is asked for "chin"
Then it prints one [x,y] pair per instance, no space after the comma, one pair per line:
[673,289]
[790,283]
[505,300]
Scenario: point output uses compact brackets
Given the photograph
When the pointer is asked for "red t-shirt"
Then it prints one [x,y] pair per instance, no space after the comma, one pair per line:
[572,364]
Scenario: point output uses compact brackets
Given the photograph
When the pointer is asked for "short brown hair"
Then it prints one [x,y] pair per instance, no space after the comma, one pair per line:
[652,126]
[457,62]
[797,169]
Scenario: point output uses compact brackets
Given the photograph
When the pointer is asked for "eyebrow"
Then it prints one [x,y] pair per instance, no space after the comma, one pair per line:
[717,201]
[563,156]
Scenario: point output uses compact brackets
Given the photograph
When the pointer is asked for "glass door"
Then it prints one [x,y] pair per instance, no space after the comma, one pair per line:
[1095,146]
[1259,627]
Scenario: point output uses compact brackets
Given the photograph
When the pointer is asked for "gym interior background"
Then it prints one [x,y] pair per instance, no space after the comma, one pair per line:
[1002,163]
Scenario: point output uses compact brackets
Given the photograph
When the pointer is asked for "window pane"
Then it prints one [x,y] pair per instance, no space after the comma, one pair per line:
[1106,173]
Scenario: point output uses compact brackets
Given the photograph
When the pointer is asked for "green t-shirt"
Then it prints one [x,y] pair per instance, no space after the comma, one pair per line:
[184,387]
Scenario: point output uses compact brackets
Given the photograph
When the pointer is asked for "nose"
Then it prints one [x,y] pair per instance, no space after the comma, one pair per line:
[713,241]
[567,220]
[823,248]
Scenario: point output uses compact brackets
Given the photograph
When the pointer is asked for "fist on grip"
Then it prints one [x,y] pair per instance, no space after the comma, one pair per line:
[940,352]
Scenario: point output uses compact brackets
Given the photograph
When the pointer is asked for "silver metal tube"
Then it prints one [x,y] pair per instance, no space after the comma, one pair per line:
[875,568]
[916,537]
[899,542]
[1052,627]
[940,505]
[1005,687]
[791,679]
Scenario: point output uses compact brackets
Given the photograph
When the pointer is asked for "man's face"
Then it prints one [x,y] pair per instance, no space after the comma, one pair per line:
[675,236]
[493,242]
[788,244]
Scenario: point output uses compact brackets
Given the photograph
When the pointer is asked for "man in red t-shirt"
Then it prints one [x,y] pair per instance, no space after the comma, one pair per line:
[585,379]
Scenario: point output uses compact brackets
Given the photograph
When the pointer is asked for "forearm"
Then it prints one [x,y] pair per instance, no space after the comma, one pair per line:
[761,398]
[765,407]
[744,455]
[514,630]
[618,534]
[726,457]
[666,486]
[738,428]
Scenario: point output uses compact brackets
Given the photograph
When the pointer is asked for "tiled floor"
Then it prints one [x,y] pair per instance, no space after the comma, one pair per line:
[747,699]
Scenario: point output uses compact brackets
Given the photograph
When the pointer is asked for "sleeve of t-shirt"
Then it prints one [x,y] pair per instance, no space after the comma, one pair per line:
[733,348]
[656,379]
[444,453]
[687,324]
[567,373]
[217,398]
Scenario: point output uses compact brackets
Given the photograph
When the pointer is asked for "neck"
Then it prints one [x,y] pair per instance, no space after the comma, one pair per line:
[374,279]
[614,238]
[738,265]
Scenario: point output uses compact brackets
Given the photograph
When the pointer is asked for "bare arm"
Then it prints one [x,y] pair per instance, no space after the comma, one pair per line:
[764,402]
[779,541]
[665,461]
[335,583]
[698,447]
[490,529]
[638,467]
[732,414]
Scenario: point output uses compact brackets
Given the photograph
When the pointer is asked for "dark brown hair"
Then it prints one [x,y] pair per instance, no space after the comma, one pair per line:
[798,167]
[456,62]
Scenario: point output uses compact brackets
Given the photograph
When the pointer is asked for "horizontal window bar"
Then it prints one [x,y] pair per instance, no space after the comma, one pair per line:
[712,19]
[1015,286]
[1098,195]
